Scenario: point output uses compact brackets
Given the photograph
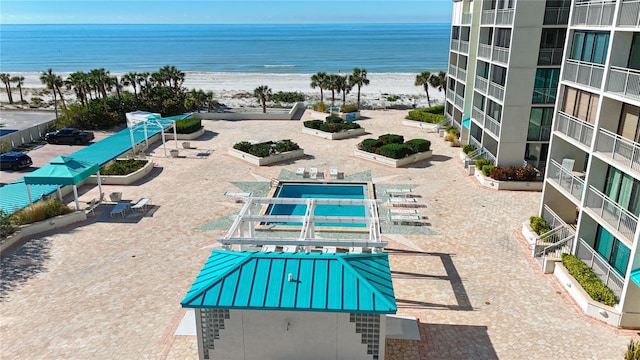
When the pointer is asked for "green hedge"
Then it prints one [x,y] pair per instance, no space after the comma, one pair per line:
[188,126]
[418,145]
[267,148]
[391,139]
[123,167]
[393,146]
[395,151]
[333,124]
[286,97]
[486,169]
[370,145]
[313,124]
[349,108]
[539,225]
[468,148]
[588,280]
[423,116]
[482,162]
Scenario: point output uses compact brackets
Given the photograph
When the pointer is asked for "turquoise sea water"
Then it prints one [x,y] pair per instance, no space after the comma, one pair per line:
[309,48]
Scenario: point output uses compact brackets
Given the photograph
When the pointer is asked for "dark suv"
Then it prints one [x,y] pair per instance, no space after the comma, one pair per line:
[14,161]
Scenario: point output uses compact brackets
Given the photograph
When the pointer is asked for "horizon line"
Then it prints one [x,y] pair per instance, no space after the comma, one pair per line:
[242,23]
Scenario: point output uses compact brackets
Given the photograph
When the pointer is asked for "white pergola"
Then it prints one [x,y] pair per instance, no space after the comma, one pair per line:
[134,119]
[243,230]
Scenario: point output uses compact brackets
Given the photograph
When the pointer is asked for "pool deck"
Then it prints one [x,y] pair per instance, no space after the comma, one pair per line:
[111,287]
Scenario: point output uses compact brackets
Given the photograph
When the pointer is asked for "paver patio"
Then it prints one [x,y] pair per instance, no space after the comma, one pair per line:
[112,289]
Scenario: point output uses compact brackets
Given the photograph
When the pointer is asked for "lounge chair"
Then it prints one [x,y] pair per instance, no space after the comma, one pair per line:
[237,197]
[403,211]
[120,208]
[93,204]
[141,204]
[402,201]
[313,173]
[301,172]
[407,219]
[398,192]
[333,172]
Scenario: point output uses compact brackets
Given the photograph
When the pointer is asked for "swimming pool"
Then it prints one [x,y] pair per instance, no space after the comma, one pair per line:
[298,190]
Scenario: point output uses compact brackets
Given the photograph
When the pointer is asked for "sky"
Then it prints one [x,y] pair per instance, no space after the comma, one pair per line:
[222,12]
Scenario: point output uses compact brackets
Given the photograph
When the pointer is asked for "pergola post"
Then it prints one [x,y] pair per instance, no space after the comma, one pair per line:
[75,195]
[29,194]
[99,186]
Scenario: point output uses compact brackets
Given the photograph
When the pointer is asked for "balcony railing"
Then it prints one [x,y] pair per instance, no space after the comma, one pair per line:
[466,18]
[492,125]
[629,13]
[481,83]
[455,44]
[574,128]
[501,54]
[551,217]
[495,90]
[619,149]
[488,17]
[625,82]
[462,74]
[555,242]
[504,16]
[556,16]
[548,57]
[615,215]
[459,101]
[593,13]
[484,51]
[605,272]
[464,46]
[453,70]
[584,73]
[544,95]
[477,114]
[475,142]
[451,95]
[566,179]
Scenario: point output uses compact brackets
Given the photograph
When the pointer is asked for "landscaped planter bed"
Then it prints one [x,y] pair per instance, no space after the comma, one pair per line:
[336,135]
[413,158]
[431,127]
[272,159]
[122,179]
[507,185]
[345,116]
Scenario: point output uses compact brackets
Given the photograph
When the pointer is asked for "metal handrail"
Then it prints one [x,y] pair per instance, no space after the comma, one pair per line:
[624,81]
[556,16]
[612,213]
[496,90]
[555,238]
[550,56]
[492,125]
[551,217]
[618,148]
[605,272]
[629,13]
[585,73]
[566,180]
[593,13]
[574,128]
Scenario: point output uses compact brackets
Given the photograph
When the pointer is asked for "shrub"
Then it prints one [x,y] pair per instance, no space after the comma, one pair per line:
[425,116]
[370,145]
[394,151]
[393,98]
[285,145]
[513,173]
[313,124]
[349,108]
[418,145]
[123,167]
[481,162]
[633,350]
[437,109]
[391,139]
[333,119]
[486,169]
[188,126]
[243,146]
[6,227]
[453,130]
[40,210]
[261,150]
[320,107]
[468,148]
[286,97]
[588,280]
[539,225]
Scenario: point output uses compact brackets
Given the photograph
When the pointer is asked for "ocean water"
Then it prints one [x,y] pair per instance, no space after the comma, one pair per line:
[264,48]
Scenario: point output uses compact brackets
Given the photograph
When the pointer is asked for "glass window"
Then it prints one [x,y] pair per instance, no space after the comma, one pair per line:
[498,74]
[482,69]
[623,189]
[478,101]
[629,127]
[590,47]
[540,124]
[546,86]
[615,252]
[503,37]
[576,49]
[552,38]
[494,110]
[634,54]
[604,243]
[580,104]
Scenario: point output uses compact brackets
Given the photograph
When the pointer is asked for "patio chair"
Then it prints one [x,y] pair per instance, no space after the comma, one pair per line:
[313,173]
[120,208]
[301,172]
[398,192]
[402,211]
[141,204]
[333,172]
[237,197]
[92,206]
[407,219]
[402,201]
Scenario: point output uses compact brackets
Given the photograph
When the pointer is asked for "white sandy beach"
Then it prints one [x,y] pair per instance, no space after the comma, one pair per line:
[225,85]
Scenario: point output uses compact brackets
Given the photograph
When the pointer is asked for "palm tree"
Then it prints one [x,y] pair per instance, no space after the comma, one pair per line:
[422,79]
[19,80]
[99,79]
[439,81]
[6,79]
[333,84]
[115,82]
[319,79]
[171,73]
[195,99]
[209,98]
[344,87]
[358,78]
[80,85]
[49,79]
[262,93]
[131,79]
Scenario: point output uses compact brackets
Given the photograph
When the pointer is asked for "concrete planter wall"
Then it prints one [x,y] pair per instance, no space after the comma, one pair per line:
[414,158]
[334,136]
[589,306]
[191,136]
[507,185]
[529,234]
[41,226]
[290,155]
[422,125]
[122,179]
[344,116]
[257,114]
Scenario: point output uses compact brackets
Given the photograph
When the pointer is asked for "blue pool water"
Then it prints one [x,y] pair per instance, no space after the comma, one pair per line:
[320,191]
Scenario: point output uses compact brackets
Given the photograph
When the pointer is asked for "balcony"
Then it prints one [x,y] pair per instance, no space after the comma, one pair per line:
[488,17]
[462,74]
[453,70]
[568,180]
[574,128]
[624,82]
[550,57]
[492,125]
[629,13]
[556,16]
[475,142]
[459,101]
[495,90]
[451,96]
[466,18]
[504,16]
[584,73]
[455,44]
[618,149]
[481,84]
[464,46]
[501,54]
[592,13]
[544,95]
[484,51]
[613,214]
[477,114]
[605,272]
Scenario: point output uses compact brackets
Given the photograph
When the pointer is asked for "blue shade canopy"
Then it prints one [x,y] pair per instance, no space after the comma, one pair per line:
[62,170]
[354,283]
[635,276]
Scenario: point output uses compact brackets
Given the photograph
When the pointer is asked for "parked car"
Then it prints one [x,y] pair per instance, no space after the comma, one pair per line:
[69,136]
[14,161]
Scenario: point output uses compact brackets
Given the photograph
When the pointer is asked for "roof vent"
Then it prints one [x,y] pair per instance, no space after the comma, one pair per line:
[290,277]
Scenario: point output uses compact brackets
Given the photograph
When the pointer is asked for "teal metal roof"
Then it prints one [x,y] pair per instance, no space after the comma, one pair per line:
[14,196]
[635,276]
[466,123]
[62,170]
[354,283]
